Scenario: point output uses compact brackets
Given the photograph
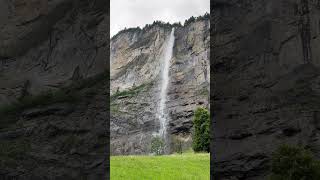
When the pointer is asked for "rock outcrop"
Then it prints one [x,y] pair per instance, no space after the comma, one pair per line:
[266,77]
[135,83]
[47,44]
[53,89]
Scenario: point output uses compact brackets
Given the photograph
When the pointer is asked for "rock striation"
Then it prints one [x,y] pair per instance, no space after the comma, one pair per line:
[135,83]
[53,89]
[266,77]
[51,43]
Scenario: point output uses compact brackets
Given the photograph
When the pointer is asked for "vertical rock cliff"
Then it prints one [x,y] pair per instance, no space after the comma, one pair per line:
[53,89]
[135,82]
[266,65]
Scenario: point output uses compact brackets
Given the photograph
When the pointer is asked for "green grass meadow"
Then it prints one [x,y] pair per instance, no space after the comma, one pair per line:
[187,166]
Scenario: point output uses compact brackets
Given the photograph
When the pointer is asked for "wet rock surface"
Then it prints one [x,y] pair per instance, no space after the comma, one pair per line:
[266,68]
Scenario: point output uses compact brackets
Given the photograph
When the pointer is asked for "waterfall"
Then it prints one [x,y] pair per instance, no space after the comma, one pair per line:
[167,55]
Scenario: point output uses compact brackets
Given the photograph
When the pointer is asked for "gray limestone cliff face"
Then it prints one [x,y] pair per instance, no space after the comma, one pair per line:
[47,44]
[267,93]
[135,83]
[53,89]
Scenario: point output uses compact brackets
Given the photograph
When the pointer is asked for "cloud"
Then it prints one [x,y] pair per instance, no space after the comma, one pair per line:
[133,13]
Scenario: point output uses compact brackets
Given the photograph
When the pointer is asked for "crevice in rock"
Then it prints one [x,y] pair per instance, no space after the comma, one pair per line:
[304,29]
[290,131]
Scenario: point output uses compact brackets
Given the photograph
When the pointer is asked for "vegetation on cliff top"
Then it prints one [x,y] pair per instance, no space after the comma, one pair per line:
[206,16]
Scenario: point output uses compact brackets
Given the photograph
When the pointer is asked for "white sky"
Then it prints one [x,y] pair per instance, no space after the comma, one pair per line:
[133,13]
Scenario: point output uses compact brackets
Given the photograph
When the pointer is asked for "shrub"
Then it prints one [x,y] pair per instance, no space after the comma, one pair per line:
[131,92]
[178,145]
[294,163]
[17,148]
[68,93]
[201,136]
[14,151]
[157,145]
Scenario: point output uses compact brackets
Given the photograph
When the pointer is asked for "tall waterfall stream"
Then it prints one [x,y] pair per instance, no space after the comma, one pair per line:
[167,55]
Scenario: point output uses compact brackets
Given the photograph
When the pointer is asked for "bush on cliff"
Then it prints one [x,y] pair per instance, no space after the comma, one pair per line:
[177,145]
[201,136]
[294,163]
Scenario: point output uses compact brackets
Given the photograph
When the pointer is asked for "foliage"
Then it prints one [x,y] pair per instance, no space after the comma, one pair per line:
[68,93]
[166,167]
[13,151]
[294,163]
[125,30]
[177,24]
[178,145]
[114,108]
[44,98]
[14,148]
[65,94]
[156,23]
[157,145]
[147,27]
[201,136]
[8,112]
[131,92]
[193,19]
[190,20]
[203,92]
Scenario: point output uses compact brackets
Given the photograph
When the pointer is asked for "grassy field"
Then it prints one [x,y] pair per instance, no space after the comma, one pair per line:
[187,166]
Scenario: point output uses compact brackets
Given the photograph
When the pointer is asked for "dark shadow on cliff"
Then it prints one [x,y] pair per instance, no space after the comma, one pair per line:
[265,71]
[54,89]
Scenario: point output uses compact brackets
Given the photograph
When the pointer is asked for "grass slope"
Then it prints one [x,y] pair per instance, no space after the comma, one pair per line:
[188,166]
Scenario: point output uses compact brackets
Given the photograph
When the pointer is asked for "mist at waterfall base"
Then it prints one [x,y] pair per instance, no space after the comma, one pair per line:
[165,65]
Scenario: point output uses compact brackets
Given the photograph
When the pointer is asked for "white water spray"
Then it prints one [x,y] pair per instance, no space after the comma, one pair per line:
[164,84]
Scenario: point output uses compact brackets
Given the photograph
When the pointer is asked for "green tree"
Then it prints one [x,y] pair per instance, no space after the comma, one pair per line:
[157,145]
[201,136]
[294,163]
